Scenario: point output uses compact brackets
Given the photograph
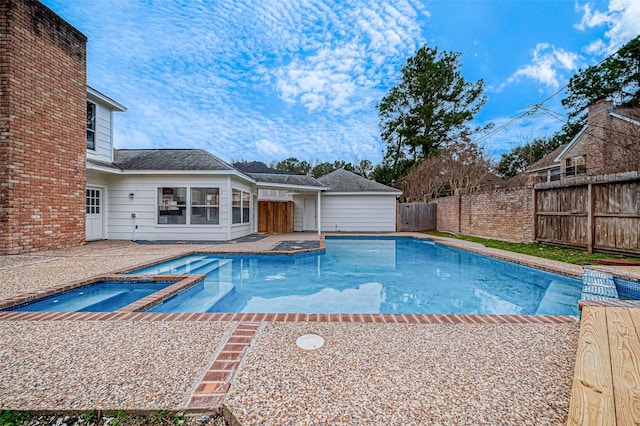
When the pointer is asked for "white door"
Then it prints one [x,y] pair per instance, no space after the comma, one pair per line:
[309,215]
[95,211]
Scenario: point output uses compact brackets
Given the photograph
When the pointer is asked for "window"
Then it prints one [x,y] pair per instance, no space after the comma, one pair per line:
[172,205]
[93,201]
[246,198]
[240,203]
[575,166]
[205,206]
[91,125]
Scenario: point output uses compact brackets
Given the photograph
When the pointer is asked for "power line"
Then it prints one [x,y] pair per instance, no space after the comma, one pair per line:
[534,108]
[486,30]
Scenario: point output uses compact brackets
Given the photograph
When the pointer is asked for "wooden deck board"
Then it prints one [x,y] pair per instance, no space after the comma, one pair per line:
[592,400]
[625,365]
[606,383]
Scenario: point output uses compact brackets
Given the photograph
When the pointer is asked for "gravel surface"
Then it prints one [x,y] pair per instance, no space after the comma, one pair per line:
[400,374]
[82,365]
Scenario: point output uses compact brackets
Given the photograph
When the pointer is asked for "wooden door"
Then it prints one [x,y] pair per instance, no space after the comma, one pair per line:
[275,216]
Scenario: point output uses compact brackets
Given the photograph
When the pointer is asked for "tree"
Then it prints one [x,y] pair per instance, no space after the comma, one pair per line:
[431,105]
[616,78]
[461,164]
[294,165]
[363,168]
[523,156]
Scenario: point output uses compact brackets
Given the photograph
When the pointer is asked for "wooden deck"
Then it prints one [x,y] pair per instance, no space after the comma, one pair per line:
[606,382]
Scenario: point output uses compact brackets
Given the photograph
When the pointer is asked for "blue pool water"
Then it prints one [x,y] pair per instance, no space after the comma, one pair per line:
[365,275]
[104,296]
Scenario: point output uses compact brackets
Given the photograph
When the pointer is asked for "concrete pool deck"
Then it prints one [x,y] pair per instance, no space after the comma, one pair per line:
[371,370]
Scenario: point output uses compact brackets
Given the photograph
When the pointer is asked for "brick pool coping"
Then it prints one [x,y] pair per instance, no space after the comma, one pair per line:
[290,317]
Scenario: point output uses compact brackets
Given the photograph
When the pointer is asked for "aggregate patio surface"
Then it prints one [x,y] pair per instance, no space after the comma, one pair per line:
[365,374]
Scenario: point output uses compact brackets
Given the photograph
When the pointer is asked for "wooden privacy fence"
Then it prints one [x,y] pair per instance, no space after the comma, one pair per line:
[275,216]
[595,216]
[415,217]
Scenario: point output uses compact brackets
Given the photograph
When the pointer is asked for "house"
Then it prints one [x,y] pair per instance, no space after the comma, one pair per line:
[609,143]
[190,194]
[62,182]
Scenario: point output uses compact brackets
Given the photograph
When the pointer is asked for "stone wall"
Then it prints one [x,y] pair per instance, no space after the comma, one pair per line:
[42,129]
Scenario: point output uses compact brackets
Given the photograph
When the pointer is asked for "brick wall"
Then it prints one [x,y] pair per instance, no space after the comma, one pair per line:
[448,214]
[505,214]
[42,129]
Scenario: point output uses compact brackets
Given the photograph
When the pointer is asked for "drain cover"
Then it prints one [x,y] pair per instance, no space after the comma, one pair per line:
[310,342]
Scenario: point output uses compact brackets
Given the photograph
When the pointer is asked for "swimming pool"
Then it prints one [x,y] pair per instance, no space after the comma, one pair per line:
[369,275]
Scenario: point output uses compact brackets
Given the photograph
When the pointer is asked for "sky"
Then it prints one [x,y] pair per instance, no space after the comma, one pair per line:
[267,80]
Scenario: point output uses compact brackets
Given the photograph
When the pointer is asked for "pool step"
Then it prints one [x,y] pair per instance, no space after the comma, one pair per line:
[199,298]
[210,266]
[556,298]
[120,298]
[197,265]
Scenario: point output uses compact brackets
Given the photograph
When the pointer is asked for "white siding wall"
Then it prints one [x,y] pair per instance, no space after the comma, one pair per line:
[104,139]
[298,211]
[145,205]
[273,195]
[358,213]
[97,178]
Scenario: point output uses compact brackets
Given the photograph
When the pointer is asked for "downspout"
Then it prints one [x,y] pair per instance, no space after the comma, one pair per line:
[229,208]
[319,213]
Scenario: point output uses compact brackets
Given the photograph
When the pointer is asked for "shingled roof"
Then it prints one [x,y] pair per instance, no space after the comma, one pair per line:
[259,167]
[342,180]
[285,179]
[168,159]
[548,160]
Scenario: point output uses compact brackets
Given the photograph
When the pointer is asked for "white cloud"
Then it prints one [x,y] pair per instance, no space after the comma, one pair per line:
[270,148]
[332,71]
[250,80]
[622,17]
[547,63]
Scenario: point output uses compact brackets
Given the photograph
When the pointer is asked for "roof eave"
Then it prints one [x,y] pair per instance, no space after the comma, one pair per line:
[397,193]
[272,185]
[115,106]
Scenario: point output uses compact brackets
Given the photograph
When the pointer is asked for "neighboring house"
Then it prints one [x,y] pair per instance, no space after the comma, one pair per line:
[609,143]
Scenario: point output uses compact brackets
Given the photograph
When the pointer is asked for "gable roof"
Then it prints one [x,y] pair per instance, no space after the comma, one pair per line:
[548,161]
[168,159]
[342,180]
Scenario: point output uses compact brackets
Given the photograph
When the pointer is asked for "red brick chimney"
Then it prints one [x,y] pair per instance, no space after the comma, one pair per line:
[42,129]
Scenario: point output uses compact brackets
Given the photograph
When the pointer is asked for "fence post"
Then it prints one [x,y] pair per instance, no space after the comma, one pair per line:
[590,219]
[459,211]
[534,215]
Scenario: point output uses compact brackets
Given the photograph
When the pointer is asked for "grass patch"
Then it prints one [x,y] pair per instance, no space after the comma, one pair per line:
[567,255]
[115,418]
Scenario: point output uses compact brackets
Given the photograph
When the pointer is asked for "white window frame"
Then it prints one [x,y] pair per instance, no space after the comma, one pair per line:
[166,203]
[91,125]
[212,202]
[241,206]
